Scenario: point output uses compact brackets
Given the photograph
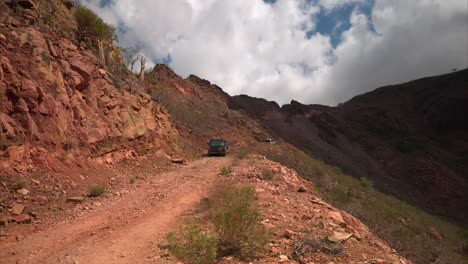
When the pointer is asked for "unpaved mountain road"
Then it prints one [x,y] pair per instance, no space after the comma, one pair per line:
[126,230]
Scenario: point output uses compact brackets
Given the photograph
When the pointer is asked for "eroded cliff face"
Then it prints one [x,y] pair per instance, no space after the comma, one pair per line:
[56,97]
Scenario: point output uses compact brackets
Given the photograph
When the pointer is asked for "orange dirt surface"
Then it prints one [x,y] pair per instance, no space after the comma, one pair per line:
[127,225]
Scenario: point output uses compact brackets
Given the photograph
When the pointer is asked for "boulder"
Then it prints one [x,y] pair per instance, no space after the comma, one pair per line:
[302,188]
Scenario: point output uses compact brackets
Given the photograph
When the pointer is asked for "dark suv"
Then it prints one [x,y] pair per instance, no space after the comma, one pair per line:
[218,146]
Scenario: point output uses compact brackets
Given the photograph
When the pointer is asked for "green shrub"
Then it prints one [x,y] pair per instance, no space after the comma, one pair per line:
[96,191]
[366,183]
[20,185]
[226,170]
[267,174]
[45,57]
[91,26]
[237,222]
[241,154]
[192,245]
[339,196]
[408,146]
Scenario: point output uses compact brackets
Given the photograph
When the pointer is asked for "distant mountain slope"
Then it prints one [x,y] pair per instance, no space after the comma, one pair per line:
[410,139]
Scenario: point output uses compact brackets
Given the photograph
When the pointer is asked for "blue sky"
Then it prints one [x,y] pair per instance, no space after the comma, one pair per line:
[336,21]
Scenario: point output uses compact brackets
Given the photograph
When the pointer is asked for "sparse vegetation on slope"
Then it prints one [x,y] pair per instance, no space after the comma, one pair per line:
[225,170]
[192,244]
[416,234]
[237,228]
[96,191]
[237,222]
[91,27]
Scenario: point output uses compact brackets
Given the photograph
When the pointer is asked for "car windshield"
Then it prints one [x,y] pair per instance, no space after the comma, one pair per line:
[217,143]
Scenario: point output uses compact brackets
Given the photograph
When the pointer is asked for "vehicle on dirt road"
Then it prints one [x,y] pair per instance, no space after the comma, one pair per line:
[218,146]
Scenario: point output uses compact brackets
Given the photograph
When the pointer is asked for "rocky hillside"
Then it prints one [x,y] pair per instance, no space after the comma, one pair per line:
[57,98]
[409,139]
[200,110]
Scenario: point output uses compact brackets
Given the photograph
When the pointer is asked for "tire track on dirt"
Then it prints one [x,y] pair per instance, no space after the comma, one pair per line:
[127,230]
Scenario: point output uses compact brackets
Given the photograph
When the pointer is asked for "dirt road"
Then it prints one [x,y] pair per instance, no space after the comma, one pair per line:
[126,230]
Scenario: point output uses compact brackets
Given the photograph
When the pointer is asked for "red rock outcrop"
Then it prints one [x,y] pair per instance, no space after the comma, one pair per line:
[57,96]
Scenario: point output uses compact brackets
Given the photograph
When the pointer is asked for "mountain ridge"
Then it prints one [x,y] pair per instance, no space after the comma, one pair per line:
[398,126]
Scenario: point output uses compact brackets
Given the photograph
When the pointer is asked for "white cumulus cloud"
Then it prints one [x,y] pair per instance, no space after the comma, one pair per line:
[262,49]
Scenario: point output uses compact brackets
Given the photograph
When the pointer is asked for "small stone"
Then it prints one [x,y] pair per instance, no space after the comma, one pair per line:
[288,234]
[36,181]
[17,209]
[23,219]
[435,233]
[338,237]
[2,37]
[41,200]
[4,221]
[75,199]
[302,189]
[164,245]
[337,216]
[306,217]
[102,72]
[22,191]
[177,159]
[283,258]
[33,214]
